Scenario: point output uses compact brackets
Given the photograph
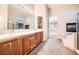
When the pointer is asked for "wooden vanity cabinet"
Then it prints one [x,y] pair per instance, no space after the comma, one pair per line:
[29,42]
[25,45]
[33,41]
[21,45]
[15,47]
[11,47]
[40,37]
[7,48]
[37,38]
[1,48]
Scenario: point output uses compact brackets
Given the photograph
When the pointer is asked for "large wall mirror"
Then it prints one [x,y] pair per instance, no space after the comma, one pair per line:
[20,17]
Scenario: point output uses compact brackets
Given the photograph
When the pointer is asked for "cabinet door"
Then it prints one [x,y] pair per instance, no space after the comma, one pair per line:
[7,48]
[1,49]
[26,48]
[41,36]
[36,38]
[25,45]
[15,47]
[33,41]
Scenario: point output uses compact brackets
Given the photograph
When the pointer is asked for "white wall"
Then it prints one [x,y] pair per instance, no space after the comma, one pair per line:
[65,13]
[1,22]
[4,15]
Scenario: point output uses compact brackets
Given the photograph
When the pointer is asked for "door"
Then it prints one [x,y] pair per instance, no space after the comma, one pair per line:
[26,47]
[52,25]
[15,47]
[33,41]
[7,48]
[25,44]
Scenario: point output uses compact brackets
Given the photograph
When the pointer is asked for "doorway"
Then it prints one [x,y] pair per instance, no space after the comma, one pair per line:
[52,25]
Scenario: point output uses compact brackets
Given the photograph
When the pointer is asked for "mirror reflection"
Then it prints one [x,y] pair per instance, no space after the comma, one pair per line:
[20,16]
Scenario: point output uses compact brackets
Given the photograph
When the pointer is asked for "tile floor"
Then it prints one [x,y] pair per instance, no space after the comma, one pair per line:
[52,46]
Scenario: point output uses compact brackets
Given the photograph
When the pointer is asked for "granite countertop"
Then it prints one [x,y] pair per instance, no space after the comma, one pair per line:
[8,36]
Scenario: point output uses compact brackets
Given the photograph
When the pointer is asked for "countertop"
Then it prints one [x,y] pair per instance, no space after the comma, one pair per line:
[6,37]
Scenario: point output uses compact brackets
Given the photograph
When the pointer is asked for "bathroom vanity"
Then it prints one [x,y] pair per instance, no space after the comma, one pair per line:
[20,43]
